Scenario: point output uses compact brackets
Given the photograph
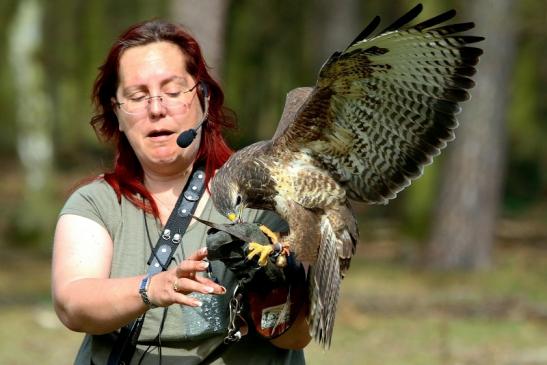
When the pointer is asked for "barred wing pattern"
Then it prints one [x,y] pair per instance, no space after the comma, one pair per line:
[380,111]
[385,106]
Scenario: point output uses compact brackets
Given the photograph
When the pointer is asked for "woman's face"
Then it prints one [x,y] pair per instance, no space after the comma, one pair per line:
[149,71]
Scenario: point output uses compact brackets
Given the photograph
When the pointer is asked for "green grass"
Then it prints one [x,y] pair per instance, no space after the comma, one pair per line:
[400,339]
[390,312]
[32,334]
[394,313]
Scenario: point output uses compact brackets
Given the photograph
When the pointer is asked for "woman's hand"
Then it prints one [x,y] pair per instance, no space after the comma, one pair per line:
[175,285]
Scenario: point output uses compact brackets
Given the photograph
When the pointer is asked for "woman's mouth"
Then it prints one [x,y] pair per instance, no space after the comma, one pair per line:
[160,135]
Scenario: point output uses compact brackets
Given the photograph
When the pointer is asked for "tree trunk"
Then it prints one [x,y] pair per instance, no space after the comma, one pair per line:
[33,109]
[206,20]
[335,23]
[463,228]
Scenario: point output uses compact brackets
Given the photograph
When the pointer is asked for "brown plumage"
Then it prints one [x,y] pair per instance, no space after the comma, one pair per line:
[380,111]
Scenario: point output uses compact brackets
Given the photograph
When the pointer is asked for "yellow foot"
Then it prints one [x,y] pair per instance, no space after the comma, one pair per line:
[277,246]
[282,248]
[274,236]
[262,250]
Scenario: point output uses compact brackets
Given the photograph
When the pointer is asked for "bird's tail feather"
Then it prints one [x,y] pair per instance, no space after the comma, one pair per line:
[325,280]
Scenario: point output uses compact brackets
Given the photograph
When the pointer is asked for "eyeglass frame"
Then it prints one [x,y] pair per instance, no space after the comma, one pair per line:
[149,98]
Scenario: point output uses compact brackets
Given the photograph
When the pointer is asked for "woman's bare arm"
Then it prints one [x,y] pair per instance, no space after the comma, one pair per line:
[87,300]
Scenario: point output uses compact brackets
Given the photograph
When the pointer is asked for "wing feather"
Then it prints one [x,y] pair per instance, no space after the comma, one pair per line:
[405,19]
[367,31]
[385,106]
[325,280]
[441,18]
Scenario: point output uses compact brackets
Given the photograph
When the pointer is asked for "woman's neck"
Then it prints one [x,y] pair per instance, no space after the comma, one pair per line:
[160,182]
[170,176]
[165,188]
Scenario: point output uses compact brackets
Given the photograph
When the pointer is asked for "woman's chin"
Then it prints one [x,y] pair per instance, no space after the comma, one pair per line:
[164,154]
[171,159]
[169,156]
[164,160]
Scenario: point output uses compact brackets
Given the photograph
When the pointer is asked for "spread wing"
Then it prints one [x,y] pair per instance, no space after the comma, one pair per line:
[383,107]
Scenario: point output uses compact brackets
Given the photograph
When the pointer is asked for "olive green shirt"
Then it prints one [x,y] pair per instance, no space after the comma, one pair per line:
[133,233]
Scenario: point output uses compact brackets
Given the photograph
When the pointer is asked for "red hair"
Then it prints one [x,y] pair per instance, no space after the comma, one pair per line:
[127,176]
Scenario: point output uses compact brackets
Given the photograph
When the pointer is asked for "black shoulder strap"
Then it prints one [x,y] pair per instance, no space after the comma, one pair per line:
[125,344]
[177,223]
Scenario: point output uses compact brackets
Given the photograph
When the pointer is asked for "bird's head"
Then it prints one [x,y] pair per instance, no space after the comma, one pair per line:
[227,196]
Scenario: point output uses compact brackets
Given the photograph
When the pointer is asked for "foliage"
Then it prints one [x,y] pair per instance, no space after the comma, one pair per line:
[7,130]
[271,47]
[527,173]
[263,64]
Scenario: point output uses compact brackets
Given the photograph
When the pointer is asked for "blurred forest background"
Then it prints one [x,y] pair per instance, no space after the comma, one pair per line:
[454,271]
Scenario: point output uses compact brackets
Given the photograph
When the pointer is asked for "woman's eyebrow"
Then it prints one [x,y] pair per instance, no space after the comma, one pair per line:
[141,87]
[168,80]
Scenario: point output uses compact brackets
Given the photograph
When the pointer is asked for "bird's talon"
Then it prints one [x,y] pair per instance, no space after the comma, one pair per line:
[262,250]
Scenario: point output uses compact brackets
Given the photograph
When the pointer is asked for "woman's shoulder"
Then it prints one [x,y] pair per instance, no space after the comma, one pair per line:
[96,200]
[96,192]
[96,187]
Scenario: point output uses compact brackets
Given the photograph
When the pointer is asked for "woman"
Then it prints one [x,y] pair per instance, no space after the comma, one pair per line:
[146,94]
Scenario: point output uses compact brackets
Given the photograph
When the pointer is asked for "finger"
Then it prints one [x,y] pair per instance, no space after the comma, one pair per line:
[187,300]
[199,254]
[188,267]
[218,289]
[186,286]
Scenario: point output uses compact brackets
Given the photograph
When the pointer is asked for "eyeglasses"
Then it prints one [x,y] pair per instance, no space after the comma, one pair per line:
[175,100]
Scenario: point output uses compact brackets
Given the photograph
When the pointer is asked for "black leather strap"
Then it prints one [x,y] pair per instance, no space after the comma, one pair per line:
[177,223]
[162,254]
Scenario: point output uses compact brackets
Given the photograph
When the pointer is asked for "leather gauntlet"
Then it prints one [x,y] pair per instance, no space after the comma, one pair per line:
[274,295]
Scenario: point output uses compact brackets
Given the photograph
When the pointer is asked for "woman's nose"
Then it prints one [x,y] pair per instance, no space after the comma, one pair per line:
[155,106]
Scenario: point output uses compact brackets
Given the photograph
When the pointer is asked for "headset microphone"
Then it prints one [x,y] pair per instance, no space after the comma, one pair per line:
[186,138]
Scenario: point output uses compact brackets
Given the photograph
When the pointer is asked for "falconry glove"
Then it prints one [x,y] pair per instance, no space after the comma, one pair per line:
[233,251]
[274,295]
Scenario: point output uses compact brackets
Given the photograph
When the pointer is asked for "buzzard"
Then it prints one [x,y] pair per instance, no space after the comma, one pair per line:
[380,111]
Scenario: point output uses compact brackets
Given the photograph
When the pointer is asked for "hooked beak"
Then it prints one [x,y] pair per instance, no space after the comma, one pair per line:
[233,217]
[236,218]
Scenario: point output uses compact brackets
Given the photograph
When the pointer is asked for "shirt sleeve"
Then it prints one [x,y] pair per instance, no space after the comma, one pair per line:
[96,201]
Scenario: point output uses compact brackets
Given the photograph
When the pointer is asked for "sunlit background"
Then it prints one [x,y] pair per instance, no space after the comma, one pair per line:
[454,271]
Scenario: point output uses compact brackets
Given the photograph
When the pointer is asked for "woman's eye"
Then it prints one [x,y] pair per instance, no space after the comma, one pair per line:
[173,94]
[137,97]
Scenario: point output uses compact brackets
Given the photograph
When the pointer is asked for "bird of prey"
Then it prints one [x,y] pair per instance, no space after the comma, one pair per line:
[380,111]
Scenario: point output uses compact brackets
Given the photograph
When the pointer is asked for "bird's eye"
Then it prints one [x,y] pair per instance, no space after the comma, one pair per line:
[238,200]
